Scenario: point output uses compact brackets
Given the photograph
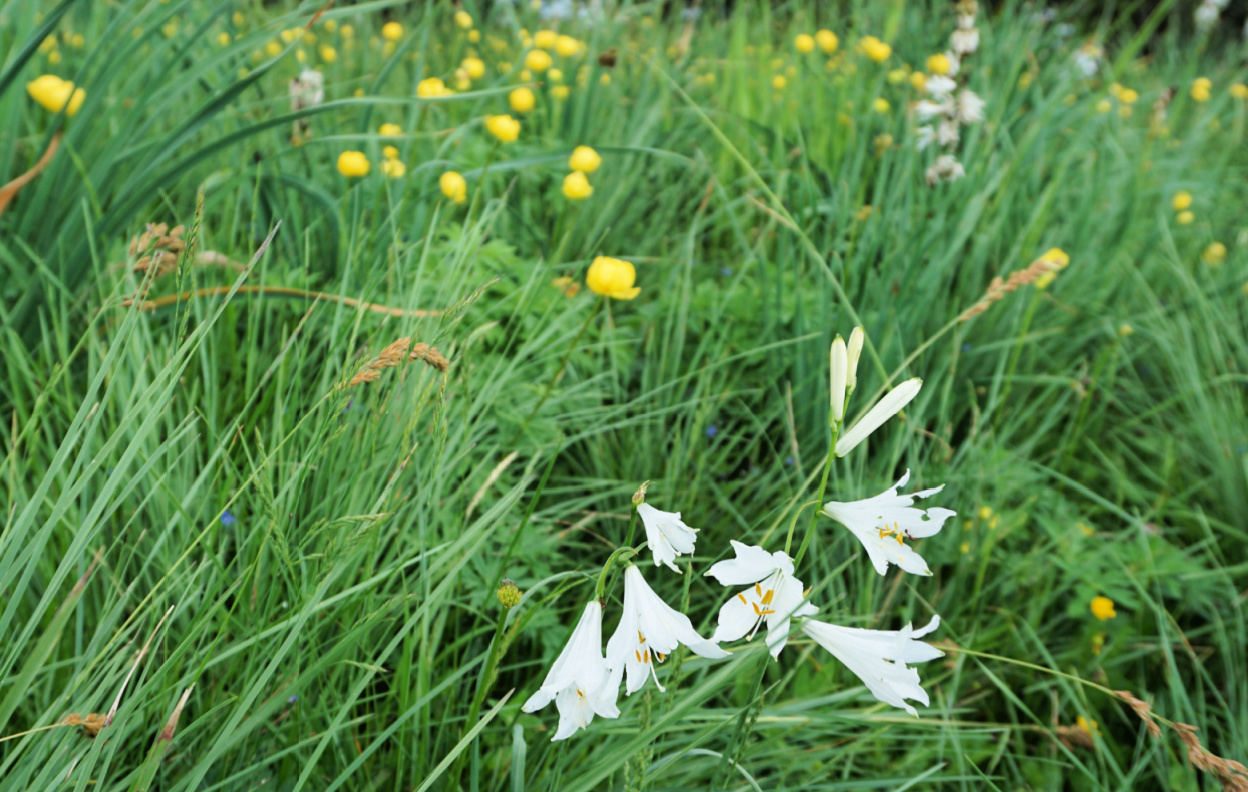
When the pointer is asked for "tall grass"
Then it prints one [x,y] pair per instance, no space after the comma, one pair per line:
[320,562]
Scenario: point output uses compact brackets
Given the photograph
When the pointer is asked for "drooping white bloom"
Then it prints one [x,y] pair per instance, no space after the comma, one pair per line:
[773,597]
[666,534]
[856,339]
[838,370]
[879,657]
[945,168]
[964,41]
[940,86]
[955,63]
[579,682]
[970,107]
[884,522]
[926,109]
[927,136]
[947,132]
[650,630]
[885,408]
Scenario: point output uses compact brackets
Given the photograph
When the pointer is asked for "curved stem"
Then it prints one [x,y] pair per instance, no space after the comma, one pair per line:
[606,568]
[823,488]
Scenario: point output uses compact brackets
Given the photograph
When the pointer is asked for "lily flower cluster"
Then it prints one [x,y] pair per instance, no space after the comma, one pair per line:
[947,106]
[768,596]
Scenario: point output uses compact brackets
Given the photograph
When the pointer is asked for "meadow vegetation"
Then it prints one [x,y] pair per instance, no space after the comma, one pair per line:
[299,371]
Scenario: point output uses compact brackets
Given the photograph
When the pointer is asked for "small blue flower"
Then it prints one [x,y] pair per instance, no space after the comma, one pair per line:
[726,271]
[292,700]
[789,460]
[966,347]
[227,519]
[712,430]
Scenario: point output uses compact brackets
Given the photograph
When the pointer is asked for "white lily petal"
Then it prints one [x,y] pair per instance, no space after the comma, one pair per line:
[666,534]
[885,408]
[751,565]
[838,368]
[883,523]
[577,682]
[879,657]
[772,600]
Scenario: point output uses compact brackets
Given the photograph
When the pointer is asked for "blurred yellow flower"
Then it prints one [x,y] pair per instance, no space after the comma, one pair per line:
[521,100]
[1128,96]
[560,91]
[538,60]
[567,46]
[584,159]
[431,87]
[555,75]
[353,163]
[390,130]
[347,31]
[309,38]
[54,94]
[804,43]
[918,80]
[390,152]
[1104,106]
[238,19]
[223,39]
[272,48]
[392,31]
[827,41]
[463,19]
[875,49]
[545,39]
[576,187]
[1185,218]
[1024,80]
[453,187]
[503,127]
[896,76]
[1124,330]
[1239,91]
[880,105]
[328,53]
[1214,254]
[330,25]
[778,82]
[1124,111]
[393,168]
[1091,727]
[569,287]
[474,66]
[612,277]
[604,79]
[289,34]
[525,75]
[939,63]
[1103,608]
[54,57]
[1181,200]
[1201,87]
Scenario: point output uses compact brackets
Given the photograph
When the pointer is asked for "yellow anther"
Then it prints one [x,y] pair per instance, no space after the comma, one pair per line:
[640,638]
[757,612]
[758,589]
[767,597]
[645,658]
[742,598]
[638,653]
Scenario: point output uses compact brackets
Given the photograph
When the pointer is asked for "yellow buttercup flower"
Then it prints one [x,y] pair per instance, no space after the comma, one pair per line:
[612,277]
[1103,608]
[1185,218]
[875,49]
[939,63]
[896,76]
[272,48]
[431,87]
[538,60]
[521,100]
[223,39]
[238,19]
[1214,254]
[393,168]
[1201,89]
[778,82]
[545,39]
[555,75]
[566,46]
[390,152]
[576,187]
[56,94]
[1104,106]
[918,80]
[289,34]
[353,163]
[880,105]
[1239,91]
[560,91]
[346,31]
[463,19]
[392,31]
[390,130]
[1128,96]
[474,66]
[453,186]
[503,127]
[584,159]
[474,36]
[1181,200]
[328,53]
[827,41]
[804,43]
[330,25]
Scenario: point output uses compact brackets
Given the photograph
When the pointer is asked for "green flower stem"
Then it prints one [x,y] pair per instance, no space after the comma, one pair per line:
[620,552]
[484,683]
[823,488]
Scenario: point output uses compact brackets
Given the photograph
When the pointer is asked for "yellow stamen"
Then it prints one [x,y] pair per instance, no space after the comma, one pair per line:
[742,598]
[767,597]
[640,638]
[638,653]
[758,589]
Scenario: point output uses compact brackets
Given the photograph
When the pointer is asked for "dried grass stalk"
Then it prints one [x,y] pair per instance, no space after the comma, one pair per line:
[1231,774]
[1142,708]
[91,724]
[1049,262]
[400,351]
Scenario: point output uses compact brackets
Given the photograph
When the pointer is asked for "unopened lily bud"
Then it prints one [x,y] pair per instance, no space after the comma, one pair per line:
[639,497]
[508,594]
[838,367]
[853,351]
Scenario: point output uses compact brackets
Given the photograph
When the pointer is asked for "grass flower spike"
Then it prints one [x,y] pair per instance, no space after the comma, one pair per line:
[773,597]
[879,657]
[579,682]
[885,408]
[56,94]
[649,631]
[884,522]
[612,277]
[667,535]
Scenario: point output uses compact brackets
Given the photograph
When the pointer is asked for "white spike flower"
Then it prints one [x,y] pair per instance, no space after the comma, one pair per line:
[879,657]
[773,598]
[940,86]
[838,368]
[650,630]
[667,536]
[970,107]
[884,522]
[579,682]
[885,408]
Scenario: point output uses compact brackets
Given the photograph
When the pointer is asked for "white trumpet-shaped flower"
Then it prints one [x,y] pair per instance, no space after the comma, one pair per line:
[773,596]
[856,340]
[649,631]
[838,369]
[666,534]
[884,522]
[885,408]
[579,682]
[879,657]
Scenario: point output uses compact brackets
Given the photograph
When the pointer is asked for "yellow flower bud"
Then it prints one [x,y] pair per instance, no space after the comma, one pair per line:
[567,46]
[538,60]
[1181,200]
[612,277]
[939,63]
[880,105]
[453,187]
[474,66]
[576,187]
[390,152]
[463,19]
[804,43]
[328,53]
[503,127]
[778,82]
[584,159]
[393,168]
[875,49]
[521,100]
[431,87]
[560,92]
[56,94]
[392,31]
[353,163]
[1103,608]
[827,41]
[545,39]
[1185,218]
[1239,91]
[1214,254]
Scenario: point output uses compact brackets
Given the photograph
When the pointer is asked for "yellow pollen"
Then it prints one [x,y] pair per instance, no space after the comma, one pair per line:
[757,612]
[640,638]
[645,658]
[767,597]
[742,598]
[638,653]
[758,589]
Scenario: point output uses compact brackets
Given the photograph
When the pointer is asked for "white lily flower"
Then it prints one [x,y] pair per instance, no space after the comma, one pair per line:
[879,657]
[970,107]
[856,340]
[774,597]
[666,535]
[884,522]
[838,369]
[650,630]
[885,408]
[579,682]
